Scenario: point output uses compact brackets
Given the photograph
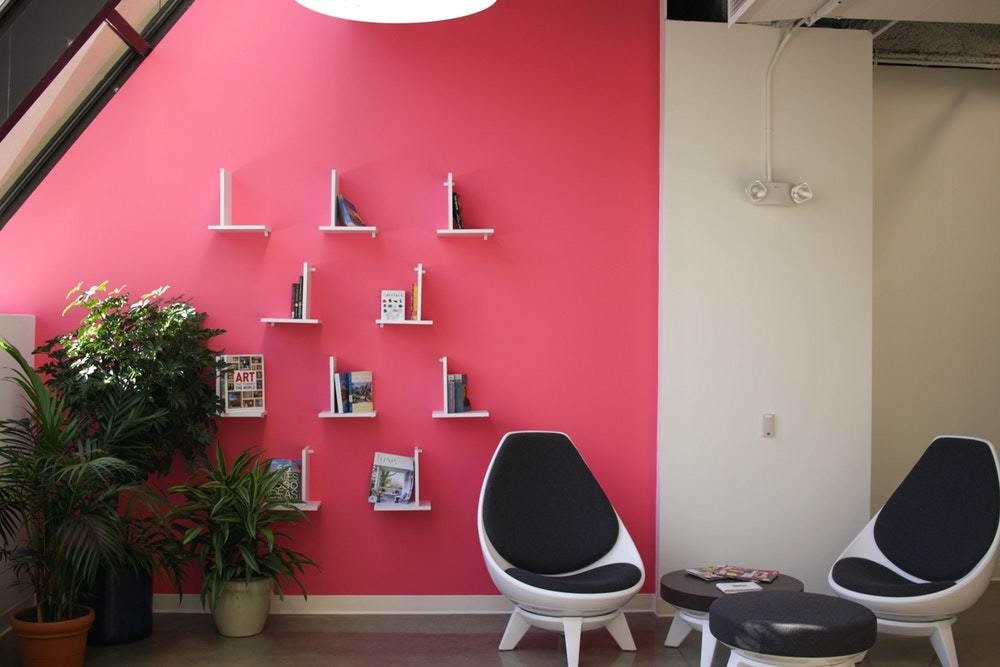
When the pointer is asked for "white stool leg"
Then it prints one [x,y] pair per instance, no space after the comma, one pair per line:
[734,660]
[944,644]
[678,632]
[571,629]
[619,630]
[708,644]
[517,626]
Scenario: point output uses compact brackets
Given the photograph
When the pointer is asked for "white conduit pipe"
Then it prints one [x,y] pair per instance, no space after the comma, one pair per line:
[767,97]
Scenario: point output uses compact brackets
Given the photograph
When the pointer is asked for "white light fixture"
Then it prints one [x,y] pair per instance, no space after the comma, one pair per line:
[396,11]
[773,193]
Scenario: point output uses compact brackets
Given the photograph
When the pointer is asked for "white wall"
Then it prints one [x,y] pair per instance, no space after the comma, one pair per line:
[937,278]
[19,330]
[764,309]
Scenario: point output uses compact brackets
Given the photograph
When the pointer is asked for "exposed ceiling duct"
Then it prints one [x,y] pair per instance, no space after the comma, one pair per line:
[932,33]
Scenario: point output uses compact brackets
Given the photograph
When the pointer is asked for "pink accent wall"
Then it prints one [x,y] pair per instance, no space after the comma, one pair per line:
[546,112]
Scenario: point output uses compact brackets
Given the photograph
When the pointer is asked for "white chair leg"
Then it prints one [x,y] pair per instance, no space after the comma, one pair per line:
[619,630]
[678,632]
[516,627]
[572,626]
[708,644]
[944,644]
[734,660]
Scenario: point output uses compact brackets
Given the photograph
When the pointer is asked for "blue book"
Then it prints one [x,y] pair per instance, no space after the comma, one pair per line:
[348,213]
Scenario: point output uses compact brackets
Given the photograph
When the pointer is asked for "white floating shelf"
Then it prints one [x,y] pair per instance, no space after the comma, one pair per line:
[443,412]
[485,233]
[309,506]
[306,302]
[249,412]
[417,505]
[253,229]
[350,230]
[333,227]
[287,320]
[451,230]
[472,414]
[423,506]
[226,210]
[382,323]
[326,414]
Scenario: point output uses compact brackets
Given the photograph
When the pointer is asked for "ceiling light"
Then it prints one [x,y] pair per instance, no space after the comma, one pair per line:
[396,11]
[776,193]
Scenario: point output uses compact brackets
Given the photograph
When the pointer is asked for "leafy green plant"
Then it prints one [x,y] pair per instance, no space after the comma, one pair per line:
[152,346]
[60,488]
[227,523]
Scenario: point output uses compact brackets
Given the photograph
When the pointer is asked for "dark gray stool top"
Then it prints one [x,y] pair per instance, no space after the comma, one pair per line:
[689,592]
[799,625]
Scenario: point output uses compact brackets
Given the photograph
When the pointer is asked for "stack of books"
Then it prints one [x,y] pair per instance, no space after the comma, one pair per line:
[458,393]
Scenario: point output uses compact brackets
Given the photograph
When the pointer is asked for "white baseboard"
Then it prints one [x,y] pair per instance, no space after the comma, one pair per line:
[377,604]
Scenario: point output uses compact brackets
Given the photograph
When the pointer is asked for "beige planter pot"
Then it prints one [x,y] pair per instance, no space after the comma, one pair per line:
[243,607]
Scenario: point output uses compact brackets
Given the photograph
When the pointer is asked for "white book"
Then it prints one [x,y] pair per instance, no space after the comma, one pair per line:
[738,586]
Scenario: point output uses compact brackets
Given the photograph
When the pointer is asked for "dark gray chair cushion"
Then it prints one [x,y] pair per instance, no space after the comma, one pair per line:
[943,517]
[542,508]
[795,625]
[865,576]
[604,579]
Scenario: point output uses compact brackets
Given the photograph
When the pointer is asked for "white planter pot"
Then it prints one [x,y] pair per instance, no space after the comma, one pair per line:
[243,607]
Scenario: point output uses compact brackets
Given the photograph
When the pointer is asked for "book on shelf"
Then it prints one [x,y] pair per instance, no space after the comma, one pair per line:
[240,384]
[297,299]
[393,307]
[415,301]
[738,586]
[361,391]
[348,215]
[736,572]
[456,211]
[342,395]
[457,384]
[289,489]
[451,392]
[392,479]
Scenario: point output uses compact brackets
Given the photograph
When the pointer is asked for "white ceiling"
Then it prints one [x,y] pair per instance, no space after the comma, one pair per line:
[943,11]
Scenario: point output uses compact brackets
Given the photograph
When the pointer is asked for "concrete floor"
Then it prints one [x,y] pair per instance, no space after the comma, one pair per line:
[189,640]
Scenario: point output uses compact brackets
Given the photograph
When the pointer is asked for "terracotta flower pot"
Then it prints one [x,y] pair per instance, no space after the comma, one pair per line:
[58,644]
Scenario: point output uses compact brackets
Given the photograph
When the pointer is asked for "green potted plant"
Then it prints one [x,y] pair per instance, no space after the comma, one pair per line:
[157,348]
[56,522]
[227,523]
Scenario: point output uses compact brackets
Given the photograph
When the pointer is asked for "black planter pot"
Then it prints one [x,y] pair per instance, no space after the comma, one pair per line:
[123,607]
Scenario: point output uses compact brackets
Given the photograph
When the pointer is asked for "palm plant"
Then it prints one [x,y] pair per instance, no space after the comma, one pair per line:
[228,519]
[59,490]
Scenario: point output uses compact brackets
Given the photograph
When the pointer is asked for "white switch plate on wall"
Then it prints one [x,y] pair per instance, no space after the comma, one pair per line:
[767,426]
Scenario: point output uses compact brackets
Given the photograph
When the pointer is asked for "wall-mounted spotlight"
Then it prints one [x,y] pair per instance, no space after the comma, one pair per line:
[771,193]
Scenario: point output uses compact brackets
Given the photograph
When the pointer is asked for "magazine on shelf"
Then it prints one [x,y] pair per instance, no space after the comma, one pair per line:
[719,572]
[393,305]
[290,488]
[348,213]
[392,479]
[240,384]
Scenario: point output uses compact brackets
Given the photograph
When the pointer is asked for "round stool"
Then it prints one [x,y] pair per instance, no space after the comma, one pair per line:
[691,597]
[785,628]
